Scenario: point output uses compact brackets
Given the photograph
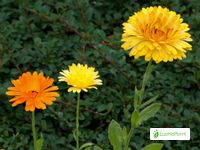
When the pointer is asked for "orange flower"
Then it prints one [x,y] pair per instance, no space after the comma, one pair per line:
[33,89]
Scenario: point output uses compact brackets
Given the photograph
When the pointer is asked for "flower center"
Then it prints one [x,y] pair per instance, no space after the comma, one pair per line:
[156,34]
[33,94]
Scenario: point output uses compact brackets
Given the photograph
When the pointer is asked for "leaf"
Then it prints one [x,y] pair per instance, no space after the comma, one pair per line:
[89,12]
[125,134]
[153,146]
[135,119]
[86,145]
[39,143]
[90,146]
[97,148]
[115,135]
[149,101]
[37,41]
[101,33]
[149,111]
[147,73]
[137,98]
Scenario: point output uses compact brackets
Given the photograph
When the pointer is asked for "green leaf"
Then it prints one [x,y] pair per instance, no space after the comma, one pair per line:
[135,119]
[149,101]
[90,146]
[38,41]
[149,111]
[147,73]
[97,148]
[39,143]
[86,145]
[153,146]
[74,134]
[115,135]
[125,134]
[137,98]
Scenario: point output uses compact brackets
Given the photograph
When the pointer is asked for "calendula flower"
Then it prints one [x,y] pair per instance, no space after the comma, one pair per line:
[33,89]
[80,78]
[156,33]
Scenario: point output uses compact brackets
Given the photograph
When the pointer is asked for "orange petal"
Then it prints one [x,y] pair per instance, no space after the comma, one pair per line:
[53,88]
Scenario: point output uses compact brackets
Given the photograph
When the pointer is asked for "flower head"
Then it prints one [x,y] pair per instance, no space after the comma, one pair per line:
[156,33]
[80,77]
[33,89]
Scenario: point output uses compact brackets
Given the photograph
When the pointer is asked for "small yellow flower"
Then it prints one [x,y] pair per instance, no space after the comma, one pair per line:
[156,33]
[80,77]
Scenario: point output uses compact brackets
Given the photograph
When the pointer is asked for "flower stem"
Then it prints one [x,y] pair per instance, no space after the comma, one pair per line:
[33,130]
[77,121]
[129,138]
[141,95]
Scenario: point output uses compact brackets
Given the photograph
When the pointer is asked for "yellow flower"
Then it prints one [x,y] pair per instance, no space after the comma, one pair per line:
[80,77]
[33,89]
[156,33]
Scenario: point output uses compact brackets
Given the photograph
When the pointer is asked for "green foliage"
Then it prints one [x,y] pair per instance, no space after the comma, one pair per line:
[153,146]
[148,102]
[50,35]
[39,143]
[115,135]
[149,112]
[135,119]
[90,146]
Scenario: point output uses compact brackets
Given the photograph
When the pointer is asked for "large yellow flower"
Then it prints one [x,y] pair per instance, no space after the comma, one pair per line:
[157,34]
[80,77]
[33,89]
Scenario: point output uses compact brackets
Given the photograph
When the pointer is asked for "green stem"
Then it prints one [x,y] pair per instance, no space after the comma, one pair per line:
[77,121]
[33,130]
[129,138]
[140,98]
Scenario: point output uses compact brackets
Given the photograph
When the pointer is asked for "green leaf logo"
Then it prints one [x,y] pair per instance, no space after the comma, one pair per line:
[155,134]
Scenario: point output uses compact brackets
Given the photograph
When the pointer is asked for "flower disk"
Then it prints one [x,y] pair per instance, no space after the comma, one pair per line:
[80,77]
[156,33]
[33,89]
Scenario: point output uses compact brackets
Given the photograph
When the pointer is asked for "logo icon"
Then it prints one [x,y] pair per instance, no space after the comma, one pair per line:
[155,134]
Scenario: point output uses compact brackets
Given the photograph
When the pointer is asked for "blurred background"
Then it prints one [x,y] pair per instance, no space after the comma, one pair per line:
[49,35]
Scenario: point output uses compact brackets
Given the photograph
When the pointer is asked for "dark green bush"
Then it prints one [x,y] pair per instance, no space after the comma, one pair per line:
[50,35]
